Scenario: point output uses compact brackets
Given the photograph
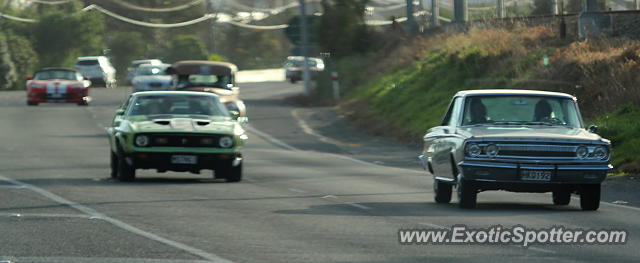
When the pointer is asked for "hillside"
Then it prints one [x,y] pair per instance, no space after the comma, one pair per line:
[403,90]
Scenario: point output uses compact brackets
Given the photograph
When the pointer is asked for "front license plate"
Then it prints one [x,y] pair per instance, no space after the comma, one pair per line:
[184,159]
[55,95]
[536,175]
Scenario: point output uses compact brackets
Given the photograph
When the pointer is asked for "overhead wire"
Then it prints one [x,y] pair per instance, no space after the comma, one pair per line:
[53,2]
[19,19]
[158,10]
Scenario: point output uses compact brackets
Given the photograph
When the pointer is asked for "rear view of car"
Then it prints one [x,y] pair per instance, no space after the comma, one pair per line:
[151,77]
[57,85]
[97,69]
[294,68]
[131,70]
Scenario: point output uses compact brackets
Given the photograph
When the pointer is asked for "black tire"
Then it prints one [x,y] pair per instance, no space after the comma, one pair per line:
[126,172]
[232,174]
[293,81]
[467,193]
[442,192]
[561,197]
[29,103]
[114,165]
[590,197]
[83,103]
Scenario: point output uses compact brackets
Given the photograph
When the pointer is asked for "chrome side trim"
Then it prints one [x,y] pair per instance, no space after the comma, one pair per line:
[601,167]
[444,179]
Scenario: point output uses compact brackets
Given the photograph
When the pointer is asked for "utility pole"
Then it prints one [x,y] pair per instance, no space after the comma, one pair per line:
[460,11]
[555,10]
[636,4]
[591,6]
[411,19]
[501,9]
[435,12]
[304,27]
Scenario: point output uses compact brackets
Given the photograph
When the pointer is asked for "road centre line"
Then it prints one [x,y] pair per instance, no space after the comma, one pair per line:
[95,214]
[297,190]
[364,207]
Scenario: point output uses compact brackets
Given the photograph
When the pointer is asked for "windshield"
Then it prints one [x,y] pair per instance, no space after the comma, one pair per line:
[57,74]
[89,62]
[149,71]
[218,81]
[520,110]
[177,105]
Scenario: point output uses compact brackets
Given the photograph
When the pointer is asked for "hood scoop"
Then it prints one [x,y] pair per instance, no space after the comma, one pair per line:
[162,122]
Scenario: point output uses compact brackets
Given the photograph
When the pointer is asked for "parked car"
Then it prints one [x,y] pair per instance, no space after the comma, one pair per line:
[97,69]
[150,77]
[294,68]
[176,131]
[207,76]
[131,70]
[57,85]
[516,140]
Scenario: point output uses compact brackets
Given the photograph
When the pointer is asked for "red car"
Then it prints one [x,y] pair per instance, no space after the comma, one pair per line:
[57,85]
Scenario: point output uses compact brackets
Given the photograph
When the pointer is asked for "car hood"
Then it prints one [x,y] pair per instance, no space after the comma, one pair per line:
[167,123]
[156,78]
[555,133]
[60,82]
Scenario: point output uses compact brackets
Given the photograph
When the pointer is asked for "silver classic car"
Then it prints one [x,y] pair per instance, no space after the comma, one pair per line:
[519,141]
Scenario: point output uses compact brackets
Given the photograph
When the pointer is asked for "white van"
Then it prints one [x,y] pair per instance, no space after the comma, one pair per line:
[97,69]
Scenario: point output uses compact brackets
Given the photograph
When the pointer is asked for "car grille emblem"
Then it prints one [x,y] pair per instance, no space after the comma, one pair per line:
[184,141]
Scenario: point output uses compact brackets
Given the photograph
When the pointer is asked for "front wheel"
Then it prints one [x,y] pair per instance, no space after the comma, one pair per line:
[232,174]
[31,103]
[126,172]
[442,192]
[467,193]
[114,165]
[561,197]
[590,197]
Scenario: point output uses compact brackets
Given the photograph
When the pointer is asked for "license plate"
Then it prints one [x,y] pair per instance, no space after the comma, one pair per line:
[55,95]
[536,175]
[184,159]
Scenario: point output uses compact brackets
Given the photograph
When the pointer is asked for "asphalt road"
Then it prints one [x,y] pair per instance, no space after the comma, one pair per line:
[301,201]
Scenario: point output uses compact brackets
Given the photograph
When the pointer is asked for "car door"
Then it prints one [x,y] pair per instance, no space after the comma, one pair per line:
[444,139]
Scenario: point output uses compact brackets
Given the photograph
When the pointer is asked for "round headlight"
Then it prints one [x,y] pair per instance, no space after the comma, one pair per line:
[226,142]
[582,152]
[492,150]
[473,150]
[142,140]
[600,152]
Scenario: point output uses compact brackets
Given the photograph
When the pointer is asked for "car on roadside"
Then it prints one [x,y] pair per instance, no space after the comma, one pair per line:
[207,76]
[57,85]
[176,131]
[519,141]
[131,70]
[98,69]
[294,68]
[151,77]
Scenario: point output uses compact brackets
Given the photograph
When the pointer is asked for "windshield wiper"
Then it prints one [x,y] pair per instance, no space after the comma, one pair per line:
[540,123]
[506,123]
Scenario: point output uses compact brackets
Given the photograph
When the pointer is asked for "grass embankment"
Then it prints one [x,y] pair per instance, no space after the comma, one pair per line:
[404,90]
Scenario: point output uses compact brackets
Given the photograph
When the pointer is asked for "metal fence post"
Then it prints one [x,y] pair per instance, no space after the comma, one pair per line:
[336,85]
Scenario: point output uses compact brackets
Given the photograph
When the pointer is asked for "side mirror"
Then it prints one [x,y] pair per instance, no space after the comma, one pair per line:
[120,112]
[593,128]
[234,114]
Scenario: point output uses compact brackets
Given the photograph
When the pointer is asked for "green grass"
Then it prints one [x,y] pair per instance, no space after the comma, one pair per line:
[622,127]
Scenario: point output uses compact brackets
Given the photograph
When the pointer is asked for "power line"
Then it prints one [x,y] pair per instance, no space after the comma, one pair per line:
[147,24]
[58,2]
[19,19]
[159,10]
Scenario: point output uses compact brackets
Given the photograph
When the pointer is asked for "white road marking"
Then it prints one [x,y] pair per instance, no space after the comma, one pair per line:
[297,190]
[364,207]
[433,225]
[329,197]
[12,187]
[46,215]
[308,130]
[93,213]
[95,260]
[637,209]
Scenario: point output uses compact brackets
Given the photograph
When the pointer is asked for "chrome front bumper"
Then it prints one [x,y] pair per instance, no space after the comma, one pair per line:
[511,172]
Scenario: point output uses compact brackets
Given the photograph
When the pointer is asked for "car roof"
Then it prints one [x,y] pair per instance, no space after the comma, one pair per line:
[56,69]
[174,93]
[91,58]
[153,65]
[146,60]
[506,92]
[189,67]
[302,58]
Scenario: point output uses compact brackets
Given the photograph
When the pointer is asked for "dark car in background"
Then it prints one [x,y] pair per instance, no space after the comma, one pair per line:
[294,68]
[516,140]
[208,76]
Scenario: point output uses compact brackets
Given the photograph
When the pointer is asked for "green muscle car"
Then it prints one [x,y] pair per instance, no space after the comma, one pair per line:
[176,131]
